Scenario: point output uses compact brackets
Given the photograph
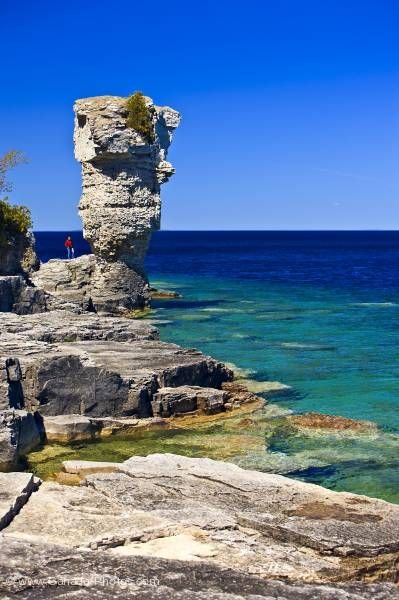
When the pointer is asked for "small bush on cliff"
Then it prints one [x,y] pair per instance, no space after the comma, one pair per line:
[14,221]
[139,116]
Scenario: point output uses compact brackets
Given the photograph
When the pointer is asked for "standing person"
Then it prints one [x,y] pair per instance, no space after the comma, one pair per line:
[69,246]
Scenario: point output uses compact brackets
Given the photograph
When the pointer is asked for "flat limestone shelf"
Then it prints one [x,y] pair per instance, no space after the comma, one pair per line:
[212,514]
[59,363]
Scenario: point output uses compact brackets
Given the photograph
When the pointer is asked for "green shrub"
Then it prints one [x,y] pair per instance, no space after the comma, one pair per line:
[14,221]
[139,117]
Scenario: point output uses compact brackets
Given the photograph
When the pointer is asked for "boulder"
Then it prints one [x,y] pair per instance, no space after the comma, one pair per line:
[69,428]
[171,401]
[20,432]
[18,296]
[10,287]
[67,280]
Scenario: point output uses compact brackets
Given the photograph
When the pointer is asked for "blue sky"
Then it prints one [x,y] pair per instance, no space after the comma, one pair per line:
[290,107]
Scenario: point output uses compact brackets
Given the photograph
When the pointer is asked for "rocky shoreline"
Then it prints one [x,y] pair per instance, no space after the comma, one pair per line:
[66,377]
[146,518]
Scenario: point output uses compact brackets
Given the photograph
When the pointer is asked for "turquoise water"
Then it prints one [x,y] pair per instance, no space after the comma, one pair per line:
[331,348]
[336,349]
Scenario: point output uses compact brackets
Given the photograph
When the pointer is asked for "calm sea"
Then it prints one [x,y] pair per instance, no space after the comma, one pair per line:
[318,311]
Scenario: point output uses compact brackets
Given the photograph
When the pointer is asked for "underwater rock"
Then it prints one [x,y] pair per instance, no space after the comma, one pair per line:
[85,467]
[269,388]
[332,422]
[238,393]
[164,294]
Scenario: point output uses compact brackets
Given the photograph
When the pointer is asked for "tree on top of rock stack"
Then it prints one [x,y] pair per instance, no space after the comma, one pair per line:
[139,116]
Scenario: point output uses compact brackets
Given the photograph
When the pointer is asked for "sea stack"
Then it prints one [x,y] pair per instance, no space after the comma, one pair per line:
[122,172]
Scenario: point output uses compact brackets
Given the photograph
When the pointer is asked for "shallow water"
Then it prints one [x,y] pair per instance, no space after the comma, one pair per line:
[317,311]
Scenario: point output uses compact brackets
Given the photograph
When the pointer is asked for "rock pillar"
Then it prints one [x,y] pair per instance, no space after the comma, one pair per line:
[120,204]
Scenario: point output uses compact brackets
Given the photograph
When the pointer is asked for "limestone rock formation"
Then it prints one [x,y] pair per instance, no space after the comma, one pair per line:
[120,204]
[203,528]
[20,432]
[68,281]
[18,255]
[68,573]
[169,401]
[18,296]
[61,363]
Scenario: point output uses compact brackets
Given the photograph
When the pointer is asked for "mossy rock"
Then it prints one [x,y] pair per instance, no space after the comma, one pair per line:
[138,313]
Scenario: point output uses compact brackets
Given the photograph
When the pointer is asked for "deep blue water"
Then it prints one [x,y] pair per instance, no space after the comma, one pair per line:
[318,311]
[341,259]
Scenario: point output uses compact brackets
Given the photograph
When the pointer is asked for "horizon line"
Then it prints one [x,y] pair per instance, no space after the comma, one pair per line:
[237,230]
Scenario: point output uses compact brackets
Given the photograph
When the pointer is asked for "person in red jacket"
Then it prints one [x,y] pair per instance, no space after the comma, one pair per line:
[69,246]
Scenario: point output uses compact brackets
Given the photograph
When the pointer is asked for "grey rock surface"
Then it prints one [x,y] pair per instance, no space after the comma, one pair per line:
[64,326]
[18,256]
[94,366]
[86,371]
[206,512]
[69,428]
[20,432]
[120,203]
[18,296]
[170,401]
[67,280]
[337,524]
[15,489]
[40,571]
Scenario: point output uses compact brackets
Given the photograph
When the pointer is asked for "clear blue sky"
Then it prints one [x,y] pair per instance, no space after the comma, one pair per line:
[290,107]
